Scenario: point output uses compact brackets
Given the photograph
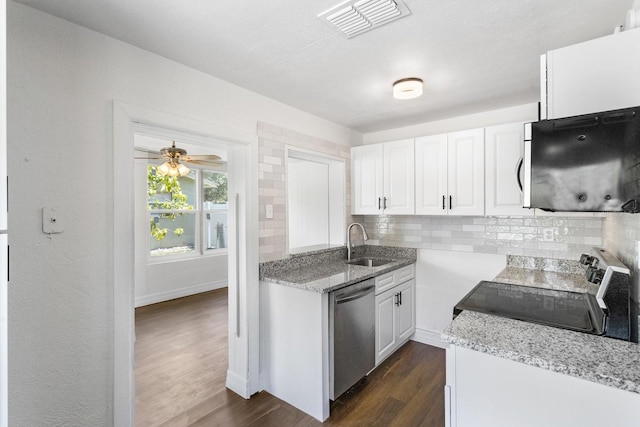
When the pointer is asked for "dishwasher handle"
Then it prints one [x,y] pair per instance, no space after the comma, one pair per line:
[355,296]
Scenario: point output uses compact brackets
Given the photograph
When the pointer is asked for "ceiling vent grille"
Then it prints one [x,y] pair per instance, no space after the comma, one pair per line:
[353,18]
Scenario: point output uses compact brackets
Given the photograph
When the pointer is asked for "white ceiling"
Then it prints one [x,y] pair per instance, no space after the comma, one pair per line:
[472,55]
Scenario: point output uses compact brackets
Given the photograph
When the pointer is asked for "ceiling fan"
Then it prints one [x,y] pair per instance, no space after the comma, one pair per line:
[174,157]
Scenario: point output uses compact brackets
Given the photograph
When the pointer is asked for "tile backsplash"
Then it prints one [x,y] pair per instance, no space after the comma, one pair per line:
[520,236]
[621,234]
[272,141]
[523,236]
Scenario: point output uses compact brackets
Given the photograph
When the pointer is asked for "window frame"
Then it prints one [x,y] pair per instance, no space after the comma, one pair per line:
[199,213]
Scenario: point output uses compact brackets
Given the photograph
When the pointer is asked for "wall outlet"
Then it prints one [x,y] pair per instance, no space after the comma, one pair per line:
[548,234]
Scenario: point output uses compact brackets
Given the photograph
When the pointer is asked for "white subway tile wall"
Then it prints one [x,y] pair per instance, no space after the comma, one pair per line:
[621,236]
[525,236]
[497,235]
[271,185]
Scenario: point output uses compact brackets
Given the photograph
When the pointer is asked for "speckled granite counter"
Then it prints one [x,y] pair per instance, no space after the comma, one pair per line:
[325,271]
[602,360]
[546,279]
[606,361]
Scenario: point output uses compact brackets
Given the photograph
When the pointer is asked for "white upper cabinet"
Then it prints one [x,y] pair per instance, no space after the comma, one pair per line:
[597,75]
[383,178]
[465,164]
[450,174]
[367,179]
[431,175]
[504,146]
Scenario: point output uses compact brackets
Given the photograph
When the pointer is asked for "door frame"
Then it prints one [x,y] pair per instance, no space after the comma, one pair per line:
[243,369]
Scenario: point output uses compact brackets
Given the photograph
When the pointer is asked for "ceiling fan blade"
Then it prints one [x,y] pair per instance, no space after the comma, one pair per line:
[204,157]
[152,157]
[203,162]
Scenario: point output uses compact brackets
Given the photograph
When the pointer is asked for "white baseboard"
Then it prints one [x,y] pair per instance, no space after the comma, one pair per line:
[428,337]
[179,293]
[238,385]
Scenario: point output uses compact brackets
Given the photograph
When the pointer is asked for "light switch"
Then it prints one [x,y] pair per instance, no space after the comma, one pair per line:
[51,221]
[269,211]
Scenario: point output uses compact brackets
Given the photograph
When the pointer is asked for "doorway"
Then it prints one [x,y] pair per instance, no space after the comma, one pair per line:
[243,367]
[181,259]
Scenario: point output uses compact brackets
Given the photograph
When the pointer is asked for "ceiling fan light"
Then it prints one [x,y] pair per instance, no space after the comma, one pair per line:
[173,170]
[182,169]
[164,169]
[407,88]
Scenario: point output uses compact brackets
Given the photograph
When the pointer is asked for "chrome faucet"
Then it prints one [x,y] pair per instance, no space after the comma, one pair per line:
[364,235]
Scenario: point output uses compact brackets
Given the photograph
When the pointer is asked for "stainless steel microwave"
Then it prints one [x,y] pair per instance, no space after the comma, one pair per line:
[588,163]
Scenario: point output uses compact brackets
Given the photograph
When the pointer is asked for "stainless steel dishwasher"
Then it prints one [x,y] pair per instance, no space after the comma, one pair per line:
[351,335]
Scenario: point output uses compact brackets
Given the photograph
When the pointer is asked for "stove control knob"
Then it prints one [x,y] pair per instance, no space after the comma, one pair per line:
[587,259]
[595,275]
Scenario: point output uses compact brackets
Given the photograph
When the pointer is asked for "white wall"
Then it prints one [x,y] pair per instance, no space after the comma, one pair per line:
[307,203]
[442,279]
[61,82]
[524,113]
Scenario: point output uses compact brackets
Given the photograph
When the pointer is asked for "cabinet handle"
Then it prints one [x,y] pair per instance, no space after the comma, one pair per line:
[443,199]
[384,205]
[450,202]
[518,170]
[397,299]
[379,202]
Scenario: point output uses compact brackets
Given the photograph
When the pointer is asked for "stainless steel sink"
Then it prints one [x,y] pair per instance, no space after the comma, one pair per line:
[369,262]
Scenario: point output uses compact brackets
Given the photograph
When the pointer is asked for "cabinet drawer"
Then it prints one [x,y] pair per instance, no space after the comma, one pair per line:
[384,282]
[405,273]
[393,278]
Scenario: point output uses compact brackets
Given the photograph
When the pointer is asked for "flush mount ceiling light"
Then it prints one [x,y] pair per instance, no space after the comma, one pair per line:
[408,88]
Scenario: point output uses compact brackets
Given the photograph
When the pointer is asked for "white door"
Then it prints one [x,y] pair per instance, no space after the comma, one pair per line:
[385,324]
[399,179]
[4,255]
[431,175]
[503,170]
[406,310]
[367,179]
[465,172]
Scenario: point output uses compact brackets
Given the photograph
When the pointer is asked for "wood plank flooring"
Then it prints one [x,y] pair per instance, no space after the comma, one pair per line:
[181,362]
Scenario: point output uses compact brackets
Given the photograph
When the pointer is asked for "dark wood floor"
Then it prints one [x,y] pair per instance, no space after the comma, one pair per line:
[181,362]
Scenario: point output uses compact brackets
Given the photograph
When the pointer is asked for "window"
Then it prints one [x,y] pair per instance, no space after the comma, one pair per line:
[187,215]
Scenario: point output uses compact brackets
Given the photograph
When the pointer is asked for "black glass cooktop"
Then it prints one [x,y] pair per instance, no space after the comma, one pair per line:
[563,309]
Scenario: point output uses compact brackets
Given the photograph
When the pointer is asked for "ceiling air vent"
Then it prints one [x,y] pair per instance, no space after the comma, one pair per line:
[353,18]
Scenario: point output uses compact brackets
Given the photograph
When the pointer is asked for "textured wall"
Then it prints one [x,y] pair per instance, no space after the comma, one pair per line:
[272,141]
[494,235]
[62,80]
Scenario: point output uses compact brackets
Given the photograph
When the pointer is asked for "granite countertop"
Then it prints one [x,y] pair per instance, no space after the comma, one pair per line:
[594,358]
[602,360]
[546,279]
[326,271]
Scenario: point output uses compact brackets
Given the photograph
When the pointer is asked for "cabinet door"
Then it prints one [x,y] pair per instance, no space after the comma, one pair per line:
[366,179]
[406,311]
[431,175]
[399,178]
[597,75]
[503,168]
[465,172]
[385,324]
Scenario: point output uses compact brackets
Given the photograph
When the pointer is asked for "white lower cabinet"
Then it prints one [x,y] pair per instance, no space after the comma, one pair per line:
[395,318]
[489,391]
